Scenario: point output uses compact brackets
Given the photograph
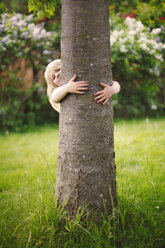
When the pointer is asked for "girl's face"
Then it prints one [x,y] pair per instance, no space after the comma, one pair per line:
[56,77]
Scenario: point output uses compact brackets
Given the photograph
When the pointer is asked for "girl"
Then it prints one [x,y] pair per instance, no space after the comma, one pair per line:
[56,92]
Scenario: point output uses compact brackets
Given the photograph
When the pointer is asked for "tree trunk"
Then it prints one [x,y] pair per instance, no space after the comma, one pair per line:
[86,168]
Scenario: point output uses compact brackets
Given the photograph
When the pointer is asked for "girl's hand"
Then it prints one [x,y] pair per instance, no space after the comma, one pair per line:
[105,94]
[76,87]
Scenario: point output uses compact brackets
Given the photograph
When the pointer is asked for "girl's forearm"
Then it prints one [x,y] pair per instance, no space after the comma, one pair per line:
[59,93]
[116,87]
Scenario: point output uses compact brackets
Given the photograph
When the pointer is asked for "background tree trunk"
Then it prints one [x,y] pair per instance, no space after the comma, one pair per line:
[86,168]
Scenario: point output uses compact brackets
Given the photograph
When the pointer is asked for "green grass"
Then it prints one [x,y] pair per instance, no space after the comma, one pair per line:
[30,217]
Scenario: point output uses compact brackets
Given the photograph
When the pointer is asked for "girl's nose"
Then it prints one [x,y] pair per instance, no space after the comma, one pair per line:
[59,74]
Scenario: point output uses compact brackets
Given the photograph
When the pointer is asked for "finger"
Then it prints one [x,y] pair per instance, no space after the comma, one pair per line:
[79,92]
[74,77]
[82,82]
[82,88]
[102,84]
[98,97]
[98,93]
[102,99]
[105,101]
[82,85]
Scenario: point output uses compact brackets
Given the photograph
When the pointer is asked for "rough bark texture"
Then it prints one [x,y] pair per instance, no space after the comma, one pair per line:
[86,166]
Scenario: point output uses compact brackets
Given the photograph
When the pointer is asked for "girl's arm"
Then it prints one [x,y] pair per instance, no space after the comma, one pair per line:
[107,92]
[59,93]
[71,87]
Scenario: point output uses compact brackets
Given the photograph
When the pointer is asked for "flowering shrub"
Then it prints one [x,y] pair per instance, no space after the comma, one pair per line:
[137,62]
[21,37]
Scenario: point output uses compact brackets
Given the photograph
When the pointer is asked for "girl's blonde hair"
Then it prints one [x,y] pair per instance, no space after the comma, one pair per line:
[55,64]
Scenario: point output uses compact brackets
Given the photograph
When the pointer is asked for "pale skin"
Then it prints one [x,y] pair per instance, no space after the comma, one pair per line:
[80,87]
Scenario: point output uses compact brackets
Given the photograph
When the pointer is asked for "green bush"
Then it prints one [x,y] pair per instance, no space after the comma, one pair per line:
[21,37]
[137,63]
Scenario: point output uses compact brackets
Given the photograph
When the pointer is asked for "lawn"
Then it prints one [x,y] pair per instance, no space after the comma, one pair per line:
[30,217]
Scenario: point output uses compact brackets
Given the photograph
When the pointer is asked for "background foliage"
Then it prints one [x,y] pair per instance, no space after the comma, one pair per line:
[137,58]
[137,63]
[23,38]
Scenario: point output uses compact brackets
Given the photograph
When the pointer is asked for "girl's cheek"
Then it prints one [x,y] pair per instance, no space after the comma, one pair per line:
[57,83]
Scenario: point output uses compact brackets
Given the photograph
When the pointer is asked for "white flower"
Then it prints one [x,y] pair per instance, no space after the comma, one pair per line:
[156,71]
[49,34]
[36,32]
[43,33]
[18,16]
[21,24]
[2,27]
[46,52]
[154,107]
[129,21]
[112,39]
[139,26]
[13,20]
[123,49]
[25,35]
[133,24]
[6,39]
[4,18]
[31,27]
[151,70]
[49,60]
[131,32]
[163,45]
[156,31]
[159,57]
[156,45]
[122,40]
[144,47]
[131,39]
[143,39]
[29,18]
[116,34]
[15,34]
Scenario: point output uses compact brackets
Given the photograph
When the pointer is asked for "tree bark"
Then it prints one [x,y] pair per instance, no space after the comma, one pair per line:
[86,167]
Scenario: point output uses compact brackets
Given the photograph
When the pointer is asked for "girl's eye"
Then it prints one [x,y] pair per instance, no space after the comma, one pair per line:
[53,77]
